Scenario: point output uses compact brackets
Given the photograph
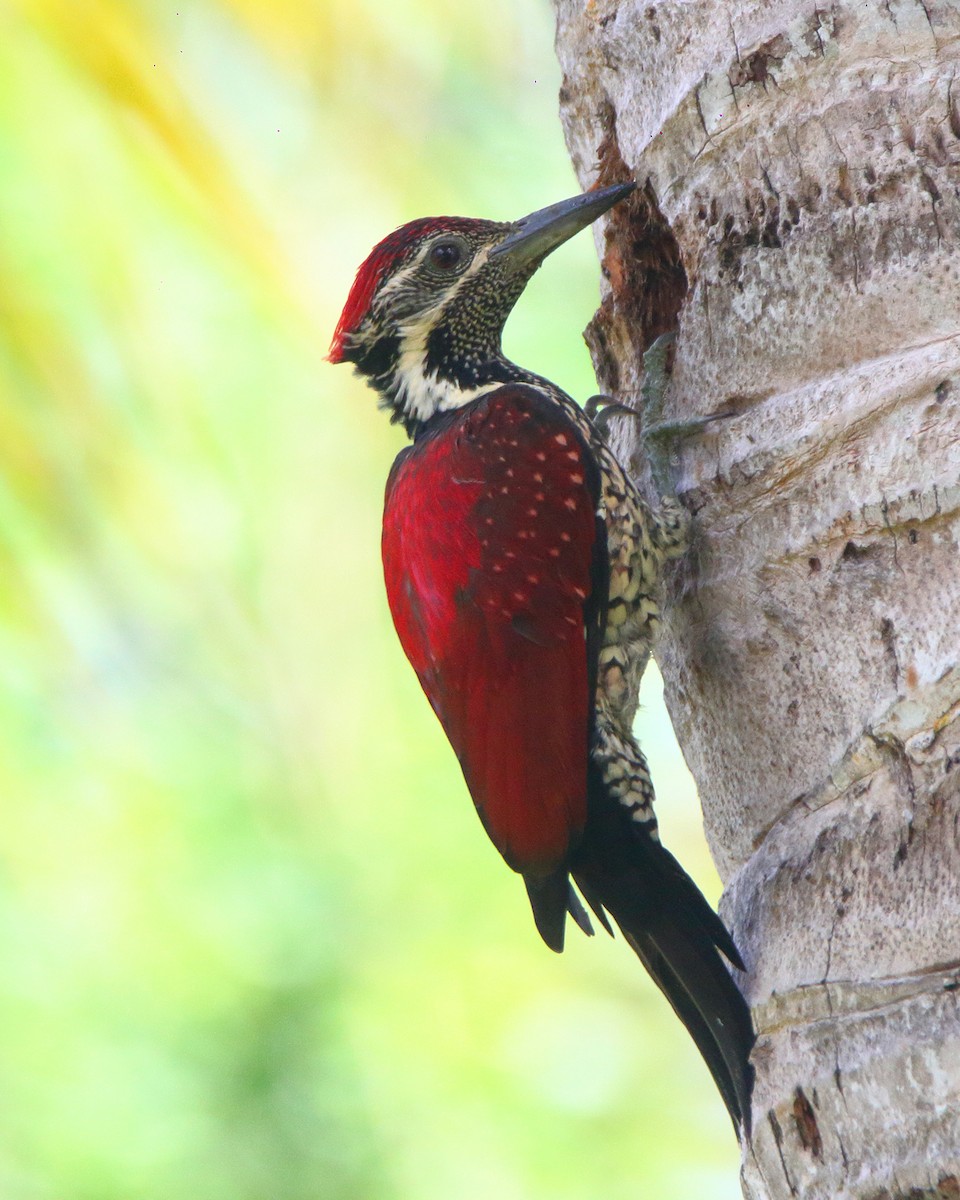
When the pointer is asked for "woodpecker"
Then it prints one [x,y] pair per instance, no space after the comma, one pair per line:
[523,570]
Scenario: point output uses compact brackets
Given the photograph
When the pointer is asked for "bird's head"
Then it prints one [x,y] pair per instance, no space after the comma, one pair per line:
[425,315]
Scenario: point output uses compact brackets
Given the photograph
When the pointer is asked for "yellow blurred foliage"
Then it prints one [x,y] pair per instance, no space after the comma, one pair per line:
[254,942]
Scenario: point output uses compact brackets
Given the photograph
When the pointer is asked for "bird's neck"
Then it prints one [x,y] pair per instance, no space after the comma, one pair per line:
[415,386]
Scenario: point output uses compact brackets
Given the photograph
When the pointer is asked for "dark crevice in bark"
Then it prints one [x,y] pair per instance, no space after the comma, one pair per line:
[643,264]
[806,1122]
[947,1187]
[778,1141]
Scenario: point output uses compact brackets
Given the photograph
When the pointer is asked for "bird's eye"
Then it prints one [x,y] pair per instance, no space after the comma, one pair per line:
[446,255]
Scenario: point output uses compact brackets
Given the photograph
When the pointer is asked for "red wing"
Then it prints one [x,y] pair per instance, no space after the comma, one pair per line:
[488,548]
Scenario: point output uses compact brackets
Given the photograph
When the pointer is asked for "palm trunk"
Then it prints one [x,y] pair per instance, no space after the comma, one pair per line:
[801,229]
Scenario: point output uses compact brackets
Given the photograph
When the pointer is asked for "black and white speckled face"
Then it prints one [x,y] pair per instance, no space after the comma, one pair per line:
[426,325]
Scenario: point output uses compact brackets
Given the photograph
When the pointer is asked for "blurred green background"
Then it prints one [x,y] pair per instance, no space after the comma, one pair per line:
[253,940]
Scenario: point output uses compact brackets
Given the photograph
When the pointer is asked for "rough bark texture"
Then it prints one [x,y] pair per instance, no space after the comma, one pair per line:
[800,226]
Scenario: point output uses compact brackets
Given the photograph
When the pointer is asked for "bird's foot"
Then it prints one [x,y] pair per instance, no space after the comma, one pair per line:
[601,408]
[655,380]
[659,436]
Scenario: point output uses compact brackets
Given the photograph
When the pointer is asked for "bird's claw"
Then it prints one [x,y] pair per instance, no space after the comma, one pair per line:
[655,379]
[601,408]
[658,435]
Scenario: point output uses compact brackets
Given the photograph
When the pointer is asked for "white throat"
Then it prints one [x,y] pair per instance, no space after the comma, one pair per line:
[421,395]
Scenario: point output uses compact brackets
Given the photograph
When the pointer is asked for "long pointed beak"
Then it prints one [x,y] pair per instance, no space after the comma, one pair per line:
[533,237]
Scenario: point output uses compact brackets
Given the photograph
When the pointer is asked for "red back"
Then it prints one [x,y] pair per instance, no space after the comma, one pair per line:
[488,542]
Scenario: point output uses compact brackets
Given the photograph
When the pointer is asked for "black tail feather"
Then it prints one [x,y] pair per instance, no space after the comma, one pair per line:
[551,898]
[596,905]
[548,898]
[680,940]
[704,1000]
[579,913]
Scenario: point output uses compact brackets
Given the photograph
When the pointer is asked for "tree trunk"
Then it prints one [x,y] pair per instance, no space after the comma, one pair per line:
[800,227]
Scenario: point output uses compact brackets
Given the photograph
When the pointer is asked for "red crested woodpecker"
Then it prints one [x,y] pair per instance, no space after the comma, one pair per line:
[523,571]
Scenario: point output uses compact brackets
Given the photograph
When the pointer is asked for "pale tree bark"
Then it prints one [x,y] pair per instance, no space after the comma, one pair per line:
[801,230]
